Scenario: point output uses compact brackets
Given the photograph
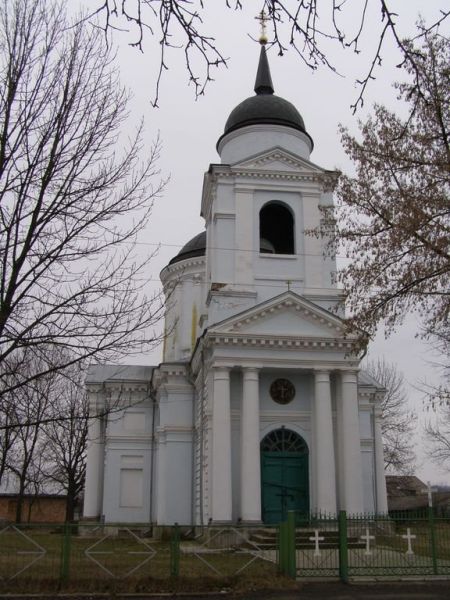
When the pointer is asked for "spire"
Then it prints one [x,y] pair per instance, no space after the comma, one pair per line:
[263,83]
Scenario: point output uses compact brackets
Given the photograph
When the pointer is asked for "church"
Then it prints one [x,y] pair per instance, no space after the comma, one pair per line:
[259,405]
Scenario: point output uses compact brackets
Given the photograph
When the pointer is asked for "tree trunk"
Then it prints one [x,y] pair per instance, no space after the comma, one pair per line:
[70,503]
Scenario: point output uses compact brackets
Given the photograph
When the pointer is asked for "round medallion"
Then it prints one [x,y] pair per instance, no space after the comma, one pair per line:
[282,391]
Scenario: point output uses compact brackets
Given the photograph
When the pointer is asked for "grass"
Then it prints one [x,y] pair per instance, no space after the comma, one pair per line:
[31,560]
[125,563]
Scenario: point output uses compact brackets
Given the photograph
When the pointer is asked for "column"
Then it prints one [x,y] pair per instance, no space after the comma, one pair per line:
[250,455]
[338,449]
[350,445]
[221,447]
[94,471]
[325,475]
[380,479]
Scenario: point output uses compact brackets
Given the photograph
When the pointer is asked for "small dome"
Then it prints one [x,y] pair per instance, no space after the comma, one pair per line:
[195,247]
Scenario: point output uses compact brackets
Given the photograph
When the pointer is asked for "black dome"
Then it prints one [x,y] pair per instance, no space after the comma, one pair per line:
[195,247]
[264,108]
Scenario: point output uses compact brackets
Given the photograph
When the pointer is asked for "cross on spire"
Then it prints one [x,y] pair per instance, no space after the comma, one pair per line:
[263,19]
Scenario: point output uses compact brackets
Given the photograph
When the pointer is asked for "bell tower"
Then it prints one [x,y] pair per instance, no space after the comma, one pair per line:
[259,204]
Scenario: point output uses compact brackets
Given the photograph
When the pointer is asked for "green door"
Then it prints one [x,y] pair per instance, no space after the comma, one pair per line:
[284,475]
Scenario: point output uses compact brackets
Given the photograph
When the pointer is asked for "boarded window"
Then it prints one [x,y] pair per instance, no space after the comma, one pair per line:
[131,488]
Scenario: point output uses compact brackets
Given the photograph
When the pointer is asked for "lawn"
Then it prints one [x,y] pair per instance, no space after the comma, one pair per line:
[31,561]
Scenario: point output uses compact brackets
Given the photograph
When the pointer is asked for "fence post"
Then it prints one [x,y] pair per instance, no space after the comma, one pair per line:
[65,553]
[433,540]
[343,549]
[175,551]
[291,562]
[282,530]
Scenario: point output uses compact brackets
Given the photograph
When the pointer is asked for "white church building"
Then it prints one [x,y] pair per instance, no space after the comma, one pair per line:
[259,406]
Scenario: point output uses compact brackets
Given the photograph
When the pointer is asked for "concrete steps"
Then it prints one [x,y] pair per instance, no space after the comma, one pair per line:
[266,539]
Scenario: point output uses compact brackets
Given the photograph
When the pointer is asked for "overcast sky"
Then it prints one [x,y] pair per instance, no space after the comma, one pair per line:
[189,130]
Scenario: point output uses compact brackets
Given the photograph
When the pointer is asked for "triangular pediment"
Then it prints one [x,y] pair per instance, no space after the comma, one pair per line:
[286,315]
[278,159]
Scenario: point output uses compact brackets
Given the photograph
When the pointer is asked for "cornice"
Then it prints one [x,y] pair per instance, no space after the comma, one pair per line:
[275,341]
[275,175]
[166,370]
[181,266]
[118,386]
[228,293]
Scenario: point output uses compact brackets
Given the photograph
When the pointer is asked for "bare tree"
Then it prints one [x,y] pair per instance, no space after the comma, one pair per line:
[398,422]
[31,405]
[8,433]
[74,195]
[48,425]
[438,437]
[308,27]
[65,439]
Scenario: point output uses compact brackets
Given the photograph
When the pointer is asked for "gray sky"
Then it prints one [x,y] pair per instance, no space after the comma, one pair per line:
[189,130]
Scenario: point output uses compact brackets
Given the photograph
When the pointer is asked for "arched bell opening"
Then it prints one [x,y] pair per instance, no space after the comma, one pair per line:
[276,229]
[284,475]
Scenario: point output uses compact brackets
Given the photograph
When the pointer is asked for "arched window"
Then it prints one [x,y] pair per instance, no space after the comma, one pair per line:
[284,440]
[276,229]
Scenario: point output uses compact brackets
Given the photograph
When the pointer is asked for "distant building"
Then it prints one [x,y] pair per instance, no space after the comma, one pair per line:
[259,406]
[42,508]
[407,493]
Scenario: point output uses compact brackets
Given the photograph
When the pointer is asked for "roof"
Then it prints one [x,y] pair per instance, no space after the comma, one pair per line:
[405,492]
[103,373]
[365,379]
[265,107]
[404,485]
[195,247]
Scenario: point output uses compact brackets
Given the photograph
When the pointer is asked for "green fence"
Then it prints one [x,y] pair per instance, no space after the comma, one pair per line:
[365,545]
[104,557]
[94,557]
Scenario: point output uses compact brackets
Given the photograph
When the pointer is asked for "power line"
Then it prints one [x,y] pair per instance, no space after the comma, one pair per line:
[283,285]
[300,254]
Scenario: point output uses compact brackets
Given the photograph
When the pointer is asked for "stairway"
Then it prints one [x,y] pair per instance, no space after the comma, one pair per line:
[266,539]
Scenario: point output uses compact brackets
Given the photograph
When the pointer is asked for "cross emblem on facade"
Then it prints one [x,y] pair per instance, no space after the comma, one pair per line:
[283,390]
[409,537]
[367,539]
[316,539]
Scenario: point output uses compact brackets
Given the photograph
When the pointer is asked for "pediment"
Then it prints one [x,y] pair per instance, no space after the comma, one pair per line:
[278,159]
[287,315]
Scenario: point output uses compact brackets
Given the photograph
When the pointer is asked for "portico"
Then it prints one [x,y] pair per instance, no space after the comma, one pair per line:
[323,411]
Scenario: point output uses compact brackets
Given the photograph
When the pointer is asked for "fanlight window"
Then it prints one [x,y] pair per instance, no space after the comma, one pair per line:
[284,440]
[276,229]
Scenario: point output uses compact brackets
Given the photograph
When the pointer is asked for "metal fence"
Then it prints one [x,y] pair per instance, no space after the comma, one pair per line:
[365,545]
[94,557]
[103,557]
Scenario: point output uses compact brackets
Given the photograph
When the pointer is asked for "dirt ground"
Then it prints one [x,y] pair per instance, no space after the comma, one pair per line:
[405,590]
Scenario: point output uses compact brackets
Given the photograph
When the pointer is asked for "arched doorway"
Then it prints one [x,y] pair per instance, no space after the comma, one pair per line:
[284,475]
